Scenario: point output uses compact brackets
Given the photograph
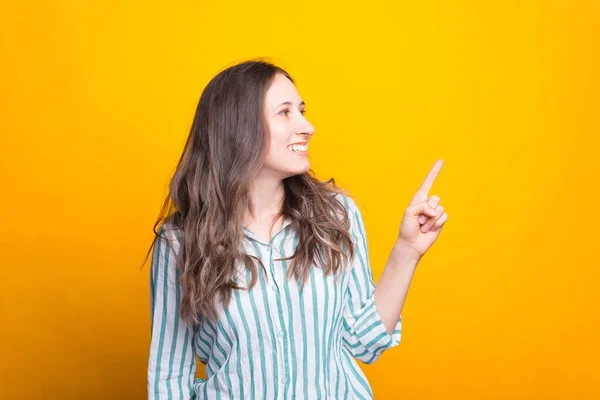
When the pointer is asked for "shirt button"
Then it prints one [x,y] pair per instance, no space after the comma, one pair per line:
[283,380]
[281,333]
[274,287]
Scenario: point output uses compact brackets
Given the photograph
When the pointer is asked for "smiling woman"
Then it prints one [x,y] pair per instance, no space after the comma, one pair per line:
[258,268]
[288,129]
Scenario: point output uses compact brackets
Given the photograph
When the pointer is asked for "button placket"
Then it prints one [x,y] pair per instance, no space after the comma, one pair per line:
[278,277]
[274,284]
[273,280]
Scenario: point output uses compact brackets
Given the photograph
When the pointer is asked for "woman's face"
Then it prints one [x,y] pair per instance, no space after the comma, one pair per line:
[290,131]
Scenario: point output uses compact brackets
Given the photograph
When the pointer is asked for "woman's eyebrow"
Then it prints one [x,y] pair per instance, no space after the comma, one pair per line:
[289,103]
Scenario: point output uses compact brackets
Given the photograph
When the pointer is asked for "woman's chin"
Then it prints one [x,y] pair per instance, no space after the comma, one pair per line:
[297,171]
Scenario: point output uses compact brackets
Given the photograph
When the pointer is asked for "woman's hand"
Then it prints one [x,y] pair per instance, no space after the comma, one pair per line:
[424,217]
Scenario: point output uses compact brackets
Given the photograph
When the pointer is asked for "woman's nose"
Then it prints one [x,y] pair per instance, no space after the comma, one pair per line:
[306,128]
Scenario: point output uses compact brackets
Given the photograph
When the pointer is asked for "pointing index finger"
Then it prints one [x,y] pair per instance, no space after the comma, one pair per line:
[428,182]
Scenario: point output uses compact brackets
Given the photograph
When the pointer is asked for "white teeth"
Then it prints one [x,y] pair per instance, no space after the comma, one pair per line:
[298,147]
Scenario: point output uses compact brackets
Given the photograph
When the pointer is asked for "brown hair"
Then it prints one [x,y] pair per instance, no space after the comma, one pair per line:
[209,195]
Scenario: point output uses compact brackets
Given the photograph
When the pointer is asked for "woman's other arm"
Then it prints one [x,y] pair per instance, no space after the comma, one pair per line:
[171,362]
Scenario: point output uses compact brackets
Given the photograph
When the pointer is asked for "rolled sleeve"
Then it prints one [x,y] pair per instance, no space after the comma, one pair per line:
[364,334]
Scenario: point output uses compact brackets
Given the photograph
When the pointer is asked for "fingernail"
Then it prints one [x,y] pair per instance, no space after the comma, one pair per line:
[425,228]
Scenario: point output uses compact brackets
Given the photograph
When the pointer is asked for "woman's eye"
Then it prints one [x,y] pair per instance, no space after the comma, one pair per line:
[283,112]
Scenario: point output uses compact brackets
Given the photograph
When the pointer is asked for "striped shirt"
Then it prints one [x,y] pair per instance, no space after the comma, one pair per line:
[274,341]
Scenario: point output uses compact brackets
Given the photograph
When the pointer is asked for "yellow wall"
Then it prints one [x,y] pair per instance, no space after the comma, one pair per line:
[96,103]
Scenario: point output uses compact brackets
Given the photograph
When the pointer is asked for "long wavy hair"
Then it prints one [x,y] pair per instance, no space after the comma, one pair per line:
[210,191]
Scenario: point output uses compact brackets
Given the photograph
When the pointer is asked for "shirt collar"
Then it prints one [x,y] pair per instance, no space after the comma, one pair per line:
[286,221]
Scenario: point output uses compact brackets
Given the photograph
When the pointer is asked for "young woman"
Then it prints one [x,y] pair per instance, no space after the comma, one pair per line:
[262,271]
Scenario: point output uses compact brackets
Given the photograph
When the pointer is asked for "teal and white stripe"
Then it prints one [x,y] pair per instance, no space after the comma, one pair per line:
[272,342]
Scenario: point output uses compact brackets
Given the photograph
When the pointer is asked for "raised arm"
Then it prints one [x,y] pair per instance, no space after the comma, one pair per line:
[365,334]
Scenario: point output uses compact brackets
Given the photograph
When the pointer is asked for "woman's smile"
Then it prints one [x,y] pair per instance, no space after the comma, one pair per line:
[299,148]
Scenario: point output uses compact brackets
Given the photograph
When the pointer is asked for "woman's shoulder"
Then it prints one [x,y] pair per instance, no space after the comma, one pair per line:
[346,200]
[170,232]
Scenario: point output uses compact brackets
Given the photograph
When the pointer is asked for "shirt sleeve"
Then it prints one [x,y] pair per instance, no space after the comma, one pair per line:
[364,333]
[171,362]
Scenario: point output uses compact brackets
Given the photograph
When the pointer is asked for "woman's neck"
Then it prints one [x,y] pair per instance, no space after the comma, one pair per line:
[266,197]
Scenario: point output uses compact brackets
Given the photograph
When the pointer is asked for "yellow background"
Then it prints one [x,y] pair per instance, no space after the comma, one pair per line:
[96,103]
